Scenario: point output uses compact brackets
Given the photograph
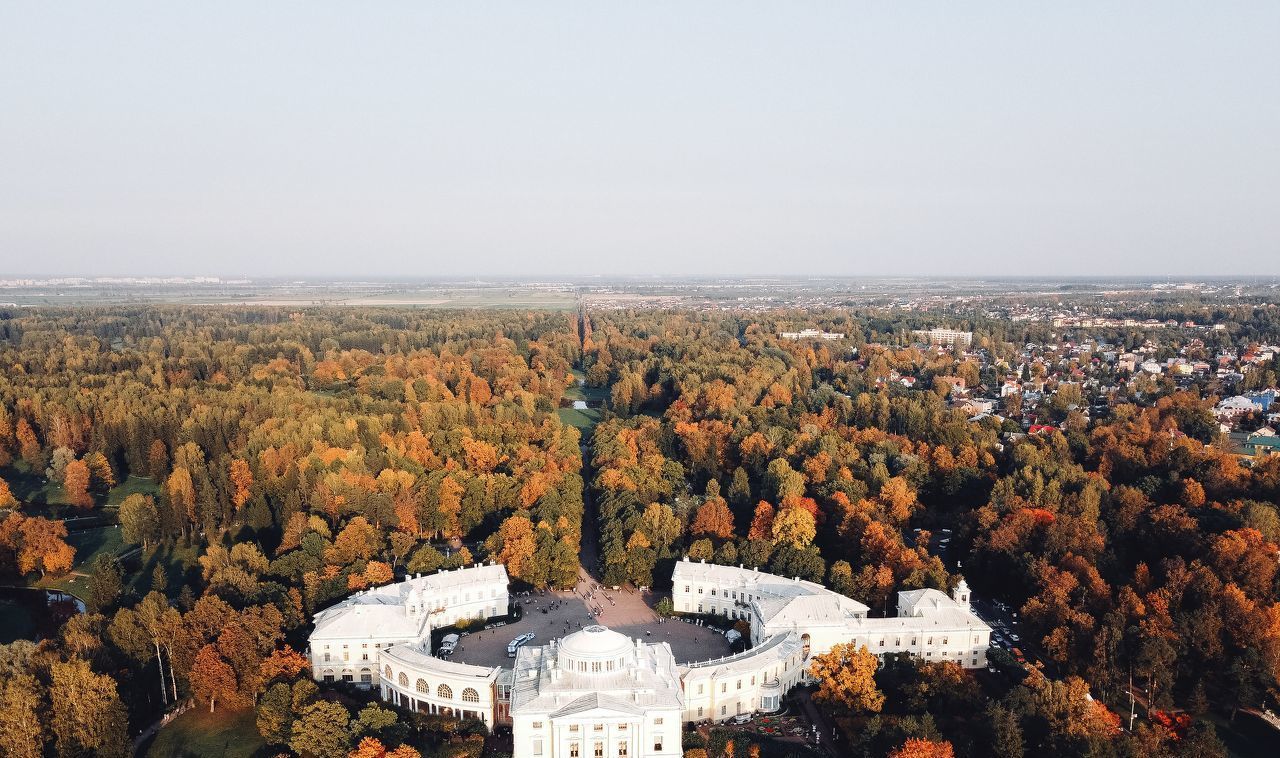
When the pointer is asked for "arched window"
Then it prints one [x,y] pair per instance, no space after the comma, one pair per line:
[404,679]
[443,692]
[422,686]
[386,672]
[469,695]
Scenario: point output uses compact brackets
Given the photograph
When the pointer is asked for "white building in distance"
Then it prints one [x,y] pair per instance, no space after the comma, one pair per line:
[949,337]
[811,334]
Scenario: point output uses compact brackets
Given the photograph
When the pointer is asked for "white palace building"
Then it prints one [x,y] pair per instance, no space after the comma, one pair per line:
[596,693]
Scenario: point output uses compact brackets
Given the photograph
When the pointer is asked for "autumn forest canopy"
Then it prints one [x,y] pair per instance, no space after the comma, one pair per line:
[262,463]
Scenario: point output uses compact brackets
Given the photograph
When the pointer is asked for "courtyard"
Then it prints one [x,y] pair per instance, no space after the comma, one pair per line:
[554,614]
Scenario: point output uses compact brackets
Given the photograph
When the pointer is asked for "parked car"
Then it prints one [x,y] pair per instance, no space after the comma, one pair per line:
[741,718]
[448,645]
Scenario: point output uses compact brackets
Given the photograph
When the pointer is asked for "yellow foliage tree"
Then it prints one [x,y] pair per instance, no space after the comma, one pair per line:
[846,677]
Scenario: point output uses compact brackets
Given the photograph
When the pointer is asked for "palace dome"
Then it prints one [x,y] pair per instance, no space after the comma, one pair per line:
[595,641]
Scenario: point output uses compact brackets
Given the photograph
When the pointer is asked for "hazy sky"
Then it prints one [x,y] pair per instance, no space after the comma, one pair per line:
[389,138]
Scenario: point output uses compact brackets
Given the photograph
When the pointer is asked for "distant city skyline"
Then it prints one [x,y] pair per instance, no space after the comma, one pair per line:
[409,140]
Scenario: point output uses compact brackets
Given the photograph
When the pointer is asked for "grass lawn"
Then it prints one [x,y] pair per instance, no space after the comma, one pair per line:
[581,392]
[89,544]
[133,485]
[200,734]
[175,559]
[30,486]
[582,419]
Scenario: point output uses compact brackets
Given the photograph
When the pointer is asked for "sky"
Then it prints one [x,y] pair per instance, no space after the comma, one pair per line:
[418,139]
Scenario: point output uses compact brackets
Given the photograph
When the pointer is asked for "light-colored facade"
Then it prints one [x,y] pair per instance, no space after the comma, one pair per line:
[596,693]
[929,623]
[599,693]
[411,677]
[350,637]
[949,337]
[811,334]
[753,680]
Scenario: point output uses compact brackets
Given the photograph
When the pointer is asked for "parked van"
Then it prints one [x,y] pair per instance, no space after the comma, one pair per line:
[448,645]
[517,642]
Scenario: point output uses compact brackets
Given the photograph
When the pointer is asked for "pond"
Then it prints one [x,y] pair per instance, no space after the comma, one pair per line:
[34,614]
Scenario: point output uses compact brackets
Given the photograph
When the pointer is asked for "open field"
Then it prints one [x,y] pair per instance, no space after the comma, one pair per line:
[200,734]
[582,419]
[133,485]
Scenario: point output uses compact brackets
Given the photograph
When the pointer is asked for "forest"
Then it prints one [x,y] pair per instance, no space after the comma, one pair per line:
[262,463]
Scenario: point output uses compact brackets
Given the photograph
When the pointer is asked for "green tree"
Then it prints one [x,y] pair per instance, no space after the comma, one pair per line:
[322,730]
[275,714]
[106,582]
[139,520]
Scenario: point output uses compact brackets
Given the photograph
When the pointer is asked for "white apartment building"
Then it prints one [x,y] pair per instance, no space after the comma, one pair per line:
[949,337]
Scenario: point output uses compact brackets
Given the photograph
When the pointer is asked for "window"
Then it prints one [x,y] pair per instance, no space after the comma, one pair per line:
[597,727]
[347,678]
[657,743]
[573,750]
[599,750]
[739,684]
[686,588]
[366,678]
[699,711]
[724,709]
[537,725]
[326,657]
[622,749]
[469,695]
[724,686]
[403,680]
[573,728]
[422,687]
[386,672]
[444,692]
[537,747]
[944,640]
[699,590]
[657,721]
[700,686]
[882,642]
[713,592]
[328,678]
[622,727]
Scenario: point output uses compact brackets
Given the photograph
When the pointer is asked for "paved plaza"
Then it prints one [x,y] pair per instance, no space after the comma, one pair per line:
[625,611]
